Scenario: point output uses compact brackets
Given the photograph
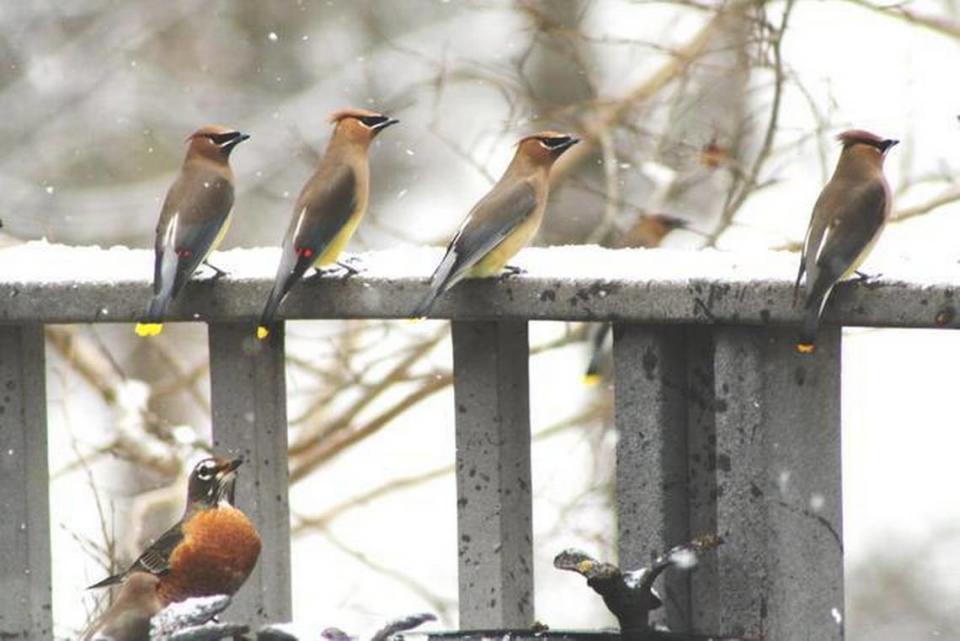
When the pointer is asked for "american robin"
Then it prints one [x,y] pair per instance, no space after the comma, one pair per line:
[211,550]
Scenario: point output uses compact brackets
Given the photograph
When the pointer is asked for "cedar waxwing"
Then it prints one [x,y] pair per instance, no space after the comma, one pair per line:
[647,233]
[128,617]
[504,220]
[194,218]
[847,220]
[330,205]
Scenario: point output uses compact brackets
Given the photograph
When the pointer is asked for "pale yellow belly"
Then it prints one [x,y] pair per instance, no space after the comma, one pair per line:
[339,242]
[493,262]
[220,235]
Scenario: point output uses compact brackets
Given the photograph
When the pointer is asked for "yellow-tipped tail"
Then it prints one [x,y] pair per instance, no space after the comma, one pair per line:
[591,379]
[149,329]
[262,332]
[805,348]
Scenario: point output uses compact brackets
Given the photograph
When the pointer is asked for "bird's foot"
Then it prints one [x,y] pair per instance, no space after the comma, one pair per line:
[327,271]
[217,272]
[342,268]
[867,280]
[350,266]
[510,271]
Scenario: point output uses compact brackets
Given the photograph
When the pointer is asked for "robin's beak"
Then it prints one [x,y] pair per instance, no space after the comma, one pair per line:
[230,466]
[227,480]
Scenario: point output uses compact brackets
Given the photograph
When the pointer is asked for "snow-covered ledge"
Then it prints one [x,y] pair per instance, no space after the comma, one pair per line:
[56,283]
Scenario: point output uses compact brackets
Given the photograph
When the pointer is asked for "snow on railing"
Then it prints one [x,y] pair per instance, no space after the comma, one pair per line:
[723,428]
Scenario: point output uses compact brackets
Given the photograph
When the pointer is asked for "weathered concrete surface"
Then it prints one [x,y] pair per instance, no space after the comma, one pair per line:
[494,505]
[651,417]
[249,407]
[727,430]
[25,589]
[54,283]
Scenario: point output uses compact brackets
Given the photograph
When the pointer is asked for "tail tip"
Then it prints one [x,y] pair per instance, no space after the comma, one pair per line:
[262,332]
[806,348]
[590,379]
[148,329]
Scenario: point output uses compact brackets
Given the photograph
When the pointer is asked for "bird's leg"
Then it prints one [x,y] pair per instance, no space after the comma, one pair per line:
[218,273]
[511,270]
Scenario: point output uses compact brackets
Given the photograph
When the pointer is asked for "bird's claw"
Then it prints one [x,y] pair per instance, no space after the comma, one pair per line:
[511,270]
[349,268]
[867,280]
[217,272]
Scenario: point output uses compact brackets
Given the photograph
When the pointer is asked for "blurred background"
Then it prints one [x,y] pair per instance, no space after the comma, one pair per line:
[720,115]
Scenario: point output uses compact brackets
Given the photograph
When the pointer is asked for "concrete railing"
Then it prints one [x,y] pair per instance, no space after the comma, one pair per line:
[723,428]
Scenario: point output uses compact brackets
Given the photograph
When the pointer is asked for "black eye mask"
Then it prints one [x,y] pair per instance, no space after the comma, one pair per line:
[374,121]
[556,143]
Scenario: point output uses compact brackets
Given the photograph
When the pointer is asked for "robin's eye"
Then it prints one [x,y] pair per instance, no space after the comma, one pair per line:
[206,470]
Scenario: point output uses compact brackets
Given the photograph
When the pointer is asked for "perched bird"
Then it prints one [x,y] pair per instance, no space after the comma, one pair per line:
[211,550]
[504,220]
[329,206]
[647,232]
[194,218]
[847,220]
[128,617]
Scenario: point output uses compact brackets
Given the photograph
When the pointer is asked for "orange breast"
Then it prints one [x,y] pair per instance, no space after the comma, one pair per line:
[218,552]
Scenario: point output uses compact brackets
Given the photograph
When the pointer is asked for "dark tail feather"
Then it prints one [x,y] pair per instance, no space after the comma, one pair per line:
[424,307]
[808,331]
[157,308]
[443,279]
[813,309]
[277,294]
[110,580]
[281,287]
[592,374]
[152,323]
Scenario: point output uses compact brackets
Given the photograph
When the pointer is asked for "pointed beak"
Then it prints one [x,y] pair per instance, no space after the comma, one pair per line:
[231,466]
[891,142]
[238,138]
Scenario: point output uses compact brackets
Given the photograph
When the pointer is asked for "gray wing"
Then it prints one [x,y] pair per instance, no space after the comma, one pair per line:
[851,231]
[490,221]
[323,208]
[835,241]
[193,214]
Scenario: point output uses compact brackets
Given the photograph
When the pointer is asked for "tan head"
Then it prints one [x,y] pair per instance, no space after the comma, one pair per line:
[650,230]
[864,143]
[359,125]
[214,142]
[545,147]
